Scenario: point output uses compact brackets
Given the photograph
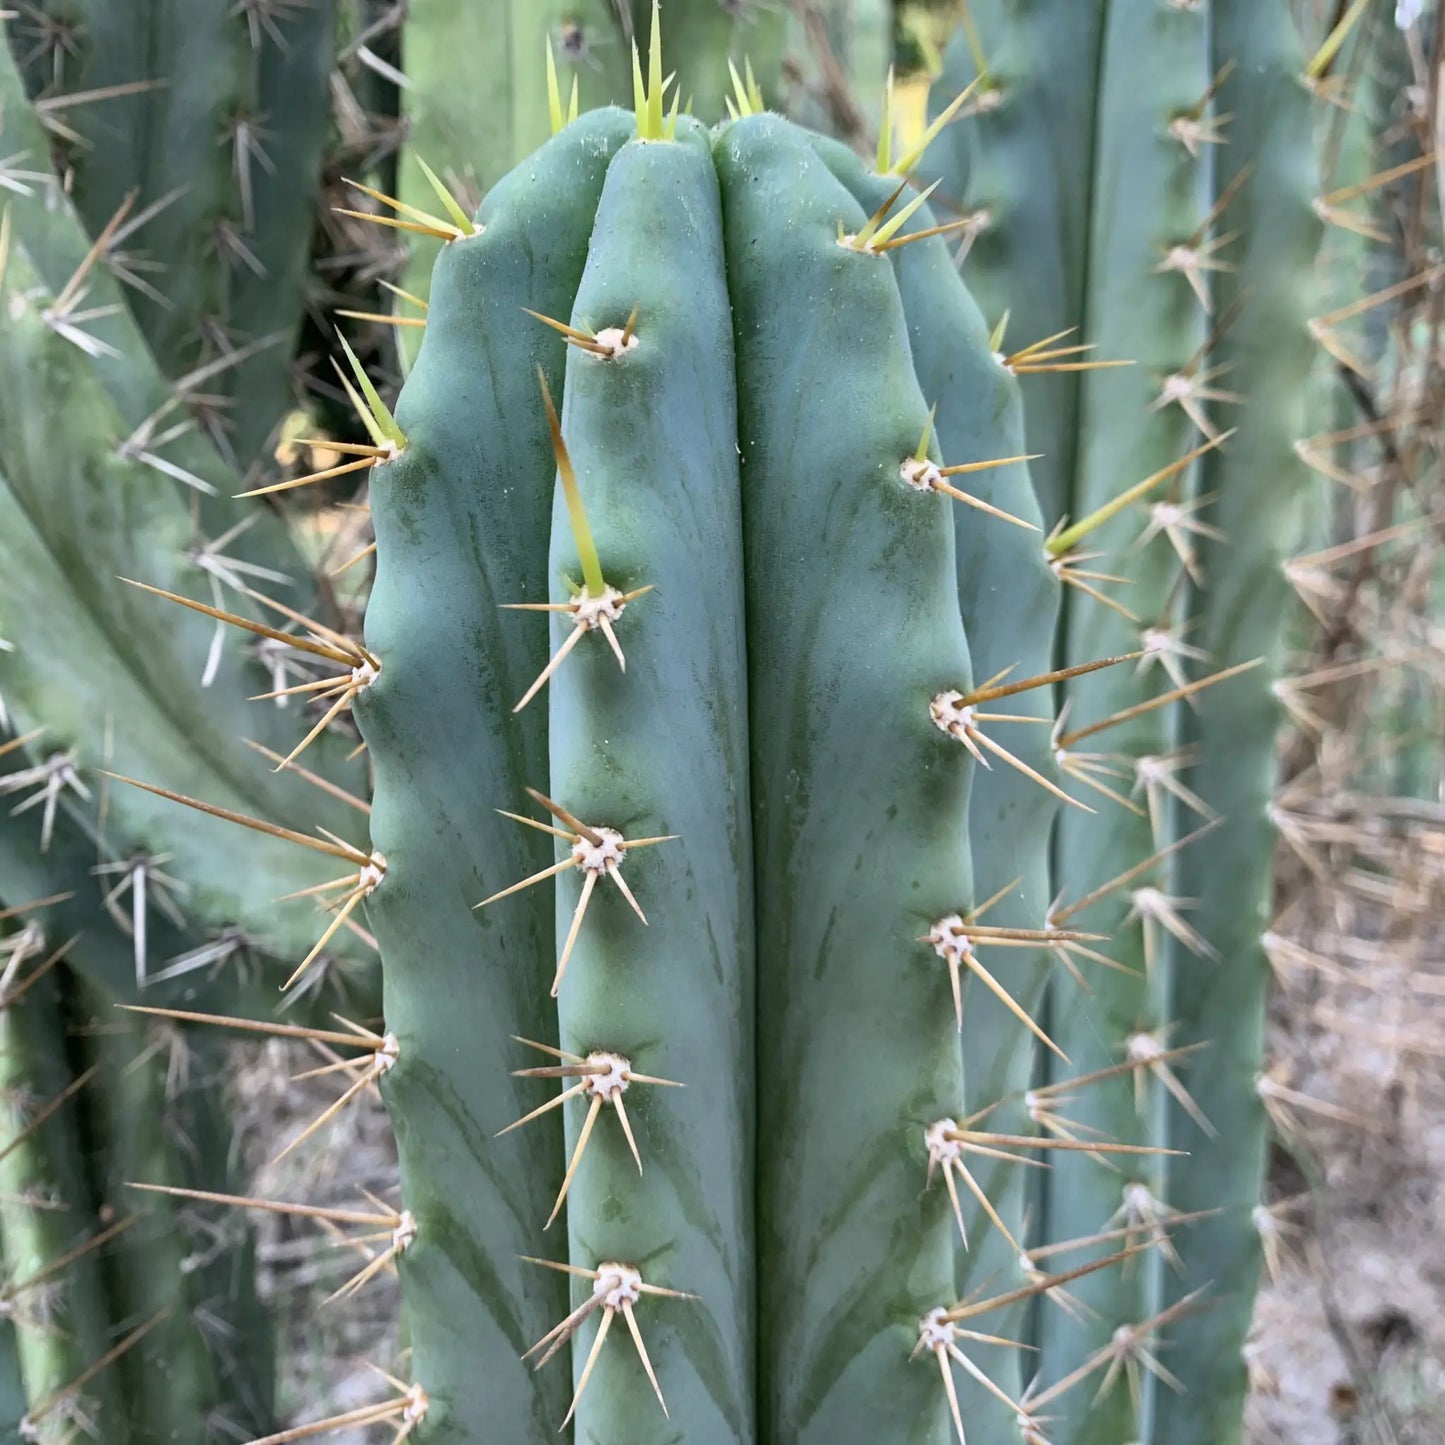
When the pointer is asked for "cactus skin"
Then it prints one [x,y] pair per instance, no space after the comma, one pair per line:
[853,626]
[1238,616]
[663,749]
[229,136]
[1010,603]
[171,1383]
[858,804]
[478,470]
[97,499]
[1132,188]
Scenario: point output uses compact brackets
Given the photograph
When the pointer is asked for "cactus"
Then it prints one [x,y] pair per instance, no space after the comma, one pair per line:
[472,135]
[201,126]
[720,932]
[1267,352]
[114,1326]
[1180,237]
[760,730]
[54,1294]
[120,492]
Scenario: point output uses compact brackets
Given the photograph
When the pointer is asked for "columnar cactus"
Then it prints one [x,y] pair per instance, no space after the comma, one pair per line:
[752,759]
[196,131]
[720,928]
[120,1312]
[471,134]
[1180,238]
[127,490]
[53,1295]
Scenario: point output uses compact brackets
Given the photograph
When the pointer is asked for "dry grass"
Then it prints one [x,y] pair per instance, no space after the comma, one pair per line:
[1350,1334]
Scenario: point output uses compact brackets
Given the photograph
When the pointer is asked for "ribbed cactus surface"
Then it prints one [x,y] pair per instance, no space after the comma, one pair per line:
[1155,293]
[725,863]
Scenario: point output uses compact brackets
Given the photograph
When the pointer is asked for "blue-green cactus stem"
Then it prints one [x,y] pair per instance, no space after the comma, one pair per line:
[1024,162]
[858,804]
[462,520]
[662,749]
[1259,482]
[1151,197]
[1010,601]
[279,144]
[207,123]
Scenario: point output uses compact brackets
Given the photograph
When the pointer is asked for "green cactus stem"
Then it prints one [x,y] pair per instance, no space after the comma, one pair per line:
[858,801]
[203,125]
[1238,612]
[80,515]
[54,1295]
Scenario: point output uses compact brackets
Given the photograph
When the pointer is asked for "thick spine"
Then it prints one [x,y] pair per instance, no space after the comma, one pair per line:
[858,805]
[704,35]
